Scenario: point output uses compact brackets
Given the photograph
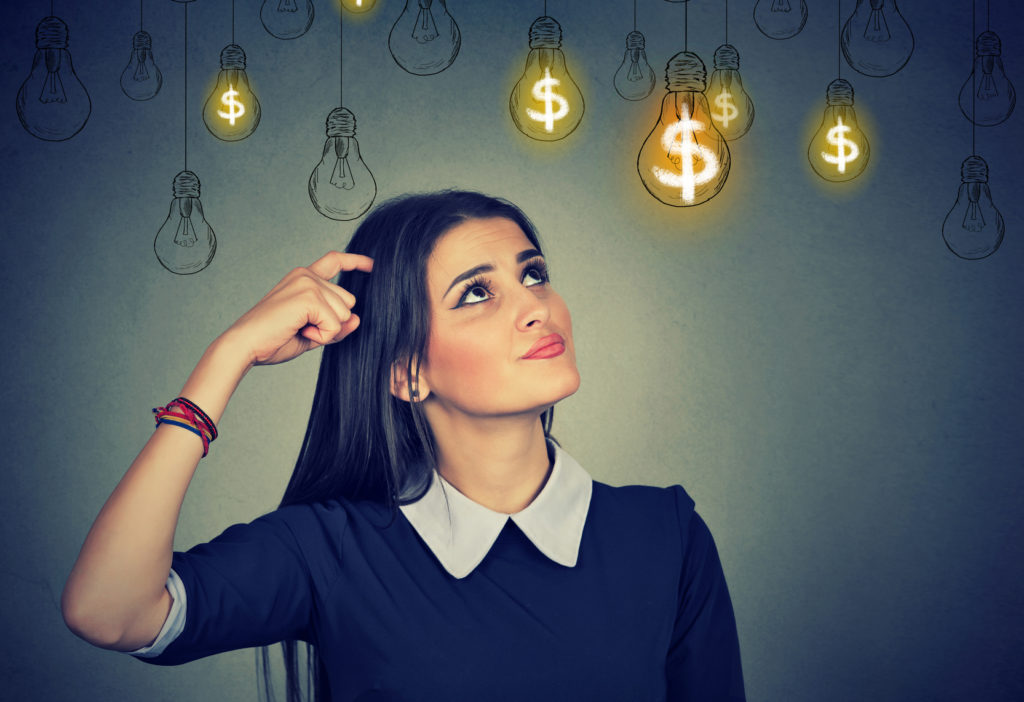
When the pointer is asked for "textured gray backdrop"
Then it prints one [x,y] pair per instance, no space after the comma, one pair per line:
[841,395]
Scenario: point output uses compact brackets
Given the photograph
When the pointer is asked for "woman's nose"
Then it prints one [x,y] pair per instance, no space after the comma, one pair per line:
[532,309]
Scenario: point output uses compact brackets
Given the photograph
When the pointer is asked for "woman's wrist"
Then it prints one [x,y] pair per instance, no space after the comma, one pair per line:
[214,379]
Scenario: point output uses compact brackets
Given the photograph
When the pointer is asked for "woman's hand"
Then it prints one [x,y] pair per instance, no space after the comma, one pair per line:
[302,312]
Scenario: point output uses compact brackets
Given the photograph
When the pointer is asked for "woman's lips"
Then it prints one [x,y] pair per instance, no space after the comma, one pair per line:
[548,347]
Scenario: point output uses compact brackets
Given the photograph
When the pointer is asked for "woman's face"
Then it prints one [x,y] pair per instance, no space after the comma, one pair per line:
[490,304]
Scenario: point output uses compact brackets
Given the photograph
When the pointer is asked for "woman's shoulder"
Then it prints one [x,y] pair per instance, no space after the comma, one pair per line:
[642,507]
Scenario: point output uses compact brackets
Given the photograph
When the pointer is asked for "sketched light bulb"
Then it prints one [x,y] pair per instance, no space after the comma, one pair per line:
[839,150]
[232,111]
[185,243]
[876,40]
[52,103]
[994,96]
[635,78]
[684,161]
[780,19]
[341,186]
[424,39]
[141,79]
[974,227]
[546,104]
[287,19]
[733,110]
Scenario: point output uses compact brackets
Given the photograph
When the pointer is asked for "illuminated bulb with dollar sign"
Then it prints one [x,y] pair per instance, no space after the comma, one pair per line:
[732,110]
[341,186]
[185,243]
[232,111]
[987,97]
[635,78]
[546,104]
[974,227]
[684,161]
[839,150]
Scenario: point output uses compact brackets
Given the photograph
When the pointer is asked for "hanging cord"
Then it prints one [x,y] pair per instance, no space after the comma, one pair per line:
[726,21]
[341,62]
[140,16]
[974,125]
[634,15]
[839,34]
[232,22]
[686,22]
[186,86]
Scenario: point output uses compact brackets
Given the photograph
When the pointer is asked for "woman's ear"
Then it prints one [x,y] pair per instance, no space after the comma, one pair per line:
[400,383]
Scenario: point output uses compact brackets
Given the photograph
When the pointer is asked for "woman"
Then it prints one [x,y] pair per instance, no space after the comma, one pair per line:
[434,542]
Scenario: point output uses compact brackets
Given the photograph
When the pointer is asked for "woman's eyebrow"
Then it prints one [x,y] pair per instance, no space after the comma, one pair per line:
[486,267]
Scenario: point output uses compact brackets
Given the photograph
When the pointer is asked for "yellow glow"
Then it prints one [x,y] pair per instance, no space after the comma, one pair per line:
[358,5]
[839,150]
[228,98]
[683,150]
[837,137]
[729,111]
[542,93]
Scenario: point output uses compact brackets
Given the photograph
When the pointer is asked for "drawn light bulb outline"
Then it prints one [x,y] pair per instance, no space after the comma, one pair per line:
[684,161]
[780,19]
[232,111]
[876,39]
[185,243]
[141,79]
[973,228]
[287,19]
[546,104]
[425,38]
[52,103]
[341,186]
[993,94]
[731,106]
[634,79]
[839,150]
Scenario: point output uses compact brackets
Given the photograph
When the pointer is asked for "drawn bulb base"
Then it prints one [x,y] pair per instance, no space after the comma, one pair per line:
[341,186]
[185,244]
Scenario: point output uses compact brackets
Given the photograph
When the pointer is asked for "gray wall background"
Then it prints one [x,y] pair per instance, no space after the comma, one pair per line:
[841,395]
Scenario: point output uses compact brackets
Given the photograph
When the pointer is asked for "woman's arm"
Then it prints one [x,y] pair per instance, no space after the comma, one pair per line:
[115,596]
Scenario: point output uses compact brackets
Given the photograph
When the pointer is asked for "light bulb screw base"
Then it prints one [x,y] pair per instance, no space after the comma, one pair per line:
[635,40]
[51,33]
[341,123]
[974,170]
[142,40]
[186,184]
[686,72]
[839,92]
[988,44]
[727,58]
[545,33]
[232,57]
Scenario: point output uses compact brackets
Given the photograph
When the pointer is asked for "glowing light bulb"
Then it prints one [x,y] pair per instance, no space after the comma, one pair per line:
[287,19]
[358,5]
[52,103]
[839,150]
[232,111]
[425,39]
[684,160]
[141,79]
[876,40]
[635,78]
[994,96]
[732,109]
[341,186]
[780,19]
[185,243]
[973,228]
[546,103]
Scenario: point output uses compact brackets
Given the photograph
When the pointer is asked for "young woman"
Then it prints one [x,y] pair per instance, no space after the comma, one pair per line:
[434,541]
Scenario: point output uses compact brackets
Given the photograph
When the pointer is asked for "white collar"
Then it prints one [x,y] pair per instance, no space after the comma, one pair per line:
[460,531]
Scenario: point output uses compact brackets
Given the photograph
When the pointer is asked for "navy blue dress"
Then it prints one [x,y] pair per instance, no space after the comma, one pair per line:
[644,615]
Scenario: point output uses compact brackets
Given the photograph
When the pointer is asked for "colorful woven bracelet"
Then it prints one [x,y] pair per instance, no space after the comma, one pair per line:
[189,416]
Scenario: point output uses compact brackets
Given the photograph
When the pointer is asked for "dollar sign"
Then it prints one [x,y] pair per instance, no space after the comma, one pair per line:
[228,98]
[729,110]
[682,150]
[837,137]
[542,93]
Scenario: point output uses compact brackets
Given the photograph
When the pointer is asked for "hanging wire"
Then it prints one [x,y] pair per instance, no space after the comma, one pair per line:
[634,15]
[232,22]
[726,21]
[545,8]
[341,63]
[839,32]
[686,22]
[186,86]
[140,15]
[974,126]
[988,15]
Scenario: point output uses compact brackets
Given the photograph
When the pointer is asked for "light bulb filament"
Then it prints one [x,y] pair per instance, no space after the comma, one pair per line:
[682,150]
[781,6]
[425,29]
[185,234]
[876,28]
[542,93]
[287,6]
[228,98]
[837,137]
[53,87]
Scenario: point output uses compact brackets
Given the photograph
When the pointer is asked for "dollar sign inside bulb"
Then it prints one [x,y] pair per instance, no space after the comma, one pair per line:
[287,19]
[52,103]
[684,161]
[974,227]
[546,104]
[876,40]
[341,186]
[424,39]
[780,19]
[141,79]
[732,109]
[185,243]
[232,111]
[993,95]
[839,149]
[635,78]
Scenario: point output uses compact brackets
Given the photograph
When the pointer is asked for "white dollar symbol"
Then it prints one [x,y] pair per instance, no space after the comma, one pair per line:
[228,98]
[837,137]
[729,110]
[682,150]
[542,93]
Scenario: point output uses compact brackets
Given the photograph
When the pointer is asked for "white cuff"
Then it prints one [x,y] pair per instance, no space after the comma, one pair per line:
[173,625]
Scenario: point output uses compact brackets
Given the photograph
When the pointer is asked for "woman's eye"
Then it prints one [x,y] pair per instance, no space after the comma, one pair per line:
[538,274]
[475,294]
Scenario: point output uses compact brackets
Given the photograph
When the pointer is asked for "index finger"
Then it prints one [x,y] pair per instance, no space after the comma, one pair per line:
[333,262]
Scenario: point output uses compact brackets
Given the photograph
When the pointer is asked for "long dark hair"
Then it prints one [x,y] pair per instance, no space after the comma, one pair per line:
[361,442]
